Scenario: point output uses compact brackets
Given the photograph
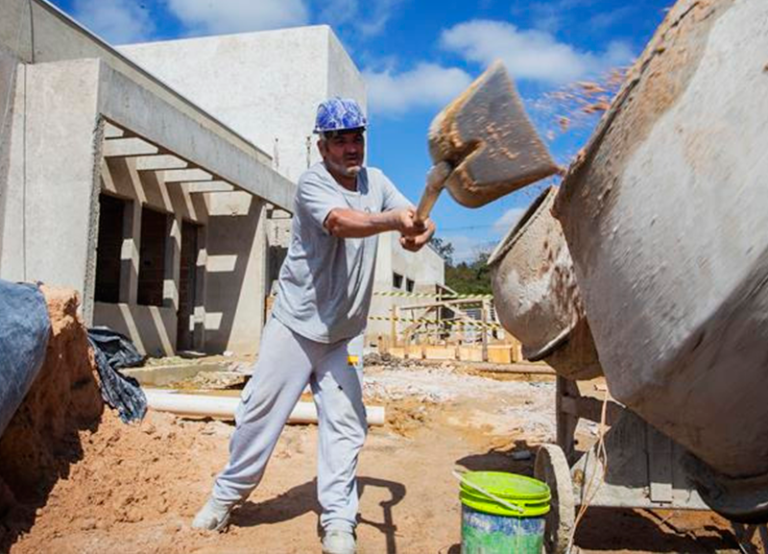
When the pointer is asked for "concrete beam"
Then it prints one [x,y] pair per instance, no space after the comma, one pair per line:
[160,162]
[128,148]
[186,176]
[125,103]
[111,132]
[213,186]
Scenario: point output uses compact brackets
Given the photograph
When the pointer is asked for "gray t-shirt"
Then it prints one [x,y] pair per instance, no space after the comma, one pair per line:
[325,284]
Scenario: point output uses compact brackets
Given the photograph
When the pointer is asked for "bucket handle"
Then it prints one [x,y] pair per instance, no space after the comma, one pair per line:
[506,504]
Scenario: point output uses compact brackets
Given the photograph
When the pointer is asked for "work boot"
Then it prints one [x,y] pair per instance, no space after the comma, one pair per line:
[214,516]
[339,542]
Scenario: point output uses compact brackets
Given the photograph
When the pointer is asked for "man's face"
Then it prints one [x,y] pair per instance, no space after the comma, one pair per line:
[344,151]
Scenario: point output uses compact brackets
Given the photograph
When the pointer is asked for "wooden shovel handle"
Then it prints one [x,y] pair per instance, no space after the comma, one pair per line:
[435,182]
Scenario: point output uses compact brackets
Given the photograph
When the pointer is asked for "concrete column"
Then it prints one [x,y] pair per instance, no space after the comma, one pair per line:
[172,268]
[129,255]
[198,333]
[262,260]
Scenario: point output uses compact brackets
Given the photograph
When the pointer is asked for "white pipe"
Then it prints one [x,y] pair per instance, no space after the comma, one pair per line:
[224,407]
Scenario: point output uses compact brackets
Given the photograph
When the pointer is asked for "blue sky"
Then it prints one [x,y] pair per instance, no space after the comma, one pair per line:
[418,55]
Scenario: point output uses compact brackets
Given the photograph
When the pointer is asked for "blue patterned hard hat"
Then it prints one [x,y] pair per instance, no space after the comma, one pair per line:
[339,114]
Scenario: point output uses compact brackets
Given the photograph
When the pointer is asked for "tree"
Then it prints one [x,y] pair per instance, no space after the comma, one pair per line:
[472,277]
[444,248]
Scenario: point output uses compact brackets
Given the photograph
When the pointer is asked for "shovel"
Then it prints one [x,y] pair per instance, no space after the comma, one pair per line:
[483,145]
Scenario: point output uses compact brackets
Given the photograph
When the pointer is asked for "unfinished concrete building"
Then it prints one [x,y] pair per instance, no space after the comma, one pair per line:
[130,176]
[116,185]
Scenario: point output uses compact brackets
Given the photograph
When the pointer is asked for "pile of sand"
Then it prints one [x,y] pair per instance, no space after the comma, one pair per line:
[41,440]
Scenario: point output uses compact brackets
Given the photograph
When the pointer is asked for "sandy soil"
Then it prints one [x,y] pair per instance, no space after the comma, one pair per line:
[135,489]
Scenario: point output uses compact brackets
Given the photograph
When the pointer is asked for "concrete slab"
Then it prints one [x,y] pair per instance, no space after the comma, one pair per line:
[161,376]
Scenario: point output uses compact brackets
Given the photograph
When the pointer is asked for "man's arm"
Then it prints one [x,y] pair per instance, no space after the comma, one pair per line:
[394,199]
[348,223]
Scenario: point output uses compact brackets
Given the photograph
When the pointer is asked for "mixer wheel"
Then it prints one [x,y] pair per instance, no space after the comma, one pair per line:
[552,468]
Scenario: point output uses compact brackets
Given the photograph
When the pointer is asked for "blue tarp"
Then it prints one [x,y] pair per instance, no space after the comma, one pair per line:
[24,331]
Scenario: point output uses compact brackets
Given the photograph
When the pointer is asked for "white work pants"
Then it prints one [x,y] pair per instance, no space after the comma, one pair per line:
[287,362]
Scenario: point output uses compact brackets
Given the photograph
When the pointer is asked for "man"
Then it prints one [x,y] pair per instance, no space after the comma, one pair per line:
[315,333]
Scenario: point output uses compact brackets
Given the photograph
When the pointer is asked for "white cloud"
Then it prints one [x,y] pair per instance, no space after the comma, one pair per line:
[426,85]
[234,16]
[339,12]
[381,12]
[508,220]
[116,21]
[529,53]
[365,18]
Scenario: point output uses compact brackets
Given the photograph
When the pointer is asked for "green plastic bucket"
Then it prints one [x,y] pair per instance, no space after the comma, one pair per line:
[502,513]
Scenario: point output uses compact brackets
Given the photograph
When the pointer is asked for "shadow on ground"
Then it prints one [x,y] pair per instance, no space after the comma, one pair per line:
[302,499]
[516,458]
[612,529]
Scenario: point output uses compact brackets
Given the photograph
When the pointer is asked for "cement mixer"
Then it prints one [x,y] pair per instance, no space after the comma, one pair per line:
[664,218]
[663,267]
[649,266]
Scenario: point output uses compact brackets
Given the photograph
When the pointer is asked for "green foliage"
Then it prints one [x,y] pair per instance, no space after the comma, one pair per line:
[466,277]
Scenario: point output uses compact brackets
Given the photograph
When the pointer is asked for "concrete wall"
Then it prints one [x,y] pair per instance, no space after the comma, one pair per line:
[151,328]
[344,79]
[8,65]
[53,181]
[274,81]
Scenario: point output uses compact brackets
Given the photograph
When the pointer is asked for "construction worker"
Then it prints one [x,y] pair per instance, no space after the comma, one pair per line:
[315,332]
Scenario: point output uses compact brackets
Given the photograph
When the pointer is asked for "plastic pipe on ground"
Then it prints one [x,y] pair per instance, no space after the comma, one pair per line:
[224,407]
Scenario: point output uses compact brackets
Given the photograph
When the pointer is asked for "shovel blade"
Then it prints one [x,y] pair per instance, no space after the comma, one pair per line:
[489,141]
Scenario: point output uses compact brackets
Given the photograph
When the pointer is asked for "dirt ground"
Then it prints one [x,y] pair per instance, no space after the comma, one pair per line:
[135,488]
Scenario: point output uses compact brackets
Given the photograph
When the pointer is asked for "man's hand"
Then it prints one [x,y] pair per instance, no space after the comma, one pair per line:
[414,243]
[407,224]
